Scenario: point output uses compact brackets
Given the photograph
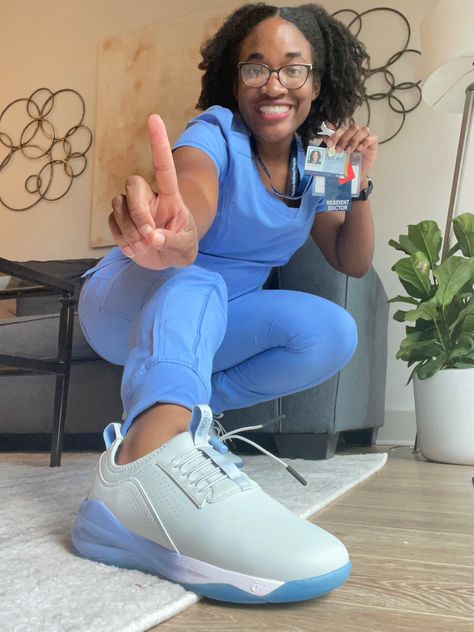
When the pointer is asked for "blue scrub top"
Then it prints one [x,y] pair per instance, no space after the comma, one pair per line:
[253,230]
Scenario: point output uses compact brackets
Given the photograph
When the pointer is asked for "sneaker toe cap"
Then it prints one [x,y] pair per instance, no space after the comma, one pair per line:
[271,541]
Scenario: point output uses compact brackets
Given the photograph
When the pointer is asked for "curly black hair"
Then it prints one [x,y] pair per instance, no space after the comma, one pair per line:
[340,62]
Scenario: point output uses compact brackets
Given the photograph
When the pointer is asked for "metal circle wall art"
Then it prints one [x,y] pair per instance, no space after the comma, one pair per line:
[395,89]
[56,139]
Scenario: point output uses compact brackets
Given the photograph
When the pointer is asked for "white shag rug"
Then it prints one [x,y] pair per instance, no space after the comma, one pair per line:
[44,587]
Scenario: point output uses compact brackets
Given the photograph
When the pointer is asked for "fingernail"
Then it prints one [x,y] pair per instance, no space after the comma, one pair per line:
[158,240]
[146,229]
[129,252]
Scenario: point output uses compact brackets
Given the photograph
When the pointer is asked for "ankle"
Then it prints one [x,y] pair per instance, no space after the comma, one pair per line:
[151,430]
[129,451]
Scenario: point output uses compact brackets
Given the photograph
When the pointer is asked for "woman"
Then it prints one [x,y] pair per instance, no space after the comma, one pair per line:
[315,157]
[180,304]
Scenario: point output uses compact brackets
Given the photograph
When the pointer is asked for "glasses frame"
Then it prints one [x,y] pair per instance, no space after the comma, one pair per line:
[240,65]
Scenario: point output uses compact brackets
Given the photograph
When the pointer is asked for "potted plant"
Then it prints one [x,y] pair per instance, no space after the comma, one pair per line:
[439,338]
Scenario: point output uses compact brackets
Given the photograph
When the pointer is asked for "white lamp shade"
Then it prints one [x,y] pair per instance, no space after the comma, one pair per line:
[447,54]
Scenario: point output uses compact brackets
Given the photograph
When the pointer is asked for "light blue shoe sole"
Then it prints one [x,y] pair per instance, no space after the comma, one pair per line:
[99,536]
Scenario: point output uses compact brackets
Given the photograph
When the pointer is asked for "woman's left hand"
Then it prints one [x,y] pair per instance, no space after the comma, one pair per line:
[355,138]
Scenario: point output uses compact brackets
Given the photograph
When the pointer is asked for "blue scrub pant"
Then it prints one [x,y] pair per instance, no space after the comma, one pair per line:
[181,341]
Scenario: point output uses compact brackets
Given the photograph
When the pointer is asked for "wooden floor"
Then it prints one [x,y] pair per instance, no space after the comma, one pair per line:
[410,533]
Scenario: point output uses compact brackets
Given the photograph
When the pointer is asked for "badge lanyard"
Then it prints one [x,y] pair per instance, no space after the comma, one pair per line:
[297,186]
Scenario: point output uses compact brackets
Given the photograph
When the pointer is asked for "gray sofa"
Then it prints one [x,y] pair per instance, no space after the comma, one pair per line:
[351,403]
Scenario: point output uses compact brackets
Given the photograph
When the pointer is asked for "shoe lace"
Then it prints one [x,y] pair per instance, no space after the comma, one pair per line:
[210,473]
[223,437]
[196,460]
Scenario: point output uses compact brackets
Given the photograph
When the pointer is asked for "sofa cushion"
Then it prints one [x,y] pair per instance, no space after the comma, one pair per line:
[68,270]
[37,337]
[27,401]
[308,271]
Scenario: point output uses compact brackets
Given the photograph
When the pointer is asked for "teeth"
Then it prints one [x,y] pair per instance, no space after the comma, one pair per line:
[273,109]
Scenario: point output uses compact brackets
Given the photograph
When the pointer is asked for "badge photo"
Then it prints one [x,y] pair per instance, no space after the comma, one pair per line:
[318,160]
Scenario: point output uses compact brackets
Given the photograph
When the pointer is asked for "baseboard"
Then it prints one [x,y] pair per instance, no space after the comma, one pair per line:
[388,442]
[41,442]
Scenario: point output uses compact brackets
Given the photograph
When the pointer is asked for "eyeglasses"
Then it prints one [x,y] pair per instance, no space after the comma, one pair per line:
[292,77]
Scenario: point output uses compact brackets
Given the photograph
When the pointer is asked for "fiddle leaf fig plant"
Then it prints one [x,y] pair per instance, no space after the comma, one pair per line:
[440,329]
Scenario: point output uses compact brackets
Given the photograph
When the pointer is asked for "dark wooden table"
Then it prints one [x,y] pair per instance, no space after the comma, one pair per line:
[38,284]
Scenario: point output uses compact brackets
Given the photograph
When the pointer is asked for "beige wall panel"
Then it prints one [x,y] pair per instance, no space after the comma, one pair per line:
[152,69]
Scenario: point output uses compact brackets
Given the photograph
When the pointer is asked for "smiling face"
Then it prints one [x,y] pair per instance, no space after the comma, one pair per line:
[273,113]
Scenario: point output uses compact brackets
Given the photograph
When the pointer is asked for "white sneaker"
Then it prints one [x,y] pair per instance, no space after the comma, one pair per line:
[185,512]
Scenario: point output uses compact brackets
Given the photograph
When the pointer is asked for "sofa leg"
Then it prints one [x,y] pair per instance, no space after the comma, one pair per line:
[306,445]
[364,438]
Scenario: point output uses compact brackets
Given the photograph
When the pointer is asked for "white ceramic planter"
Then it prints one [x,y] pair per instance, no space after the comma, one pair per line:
[444,406]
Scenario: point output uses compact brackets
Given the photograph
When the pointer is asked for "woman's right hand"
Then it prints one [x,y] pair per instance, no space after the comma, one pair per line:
[157,230]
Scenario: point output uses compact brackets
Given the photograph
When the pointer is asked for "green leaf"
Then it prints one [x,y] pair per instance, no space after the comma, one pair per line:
[426,311]
[414,275]
[413,347]
[467,310]
[468,358]
[463,347]
[404,245]
[426,236]
[465,362]
[419,351]
[412,289]
[461,364]
[428,369]
[468,324]
[400,316]
[403,299]
[451,313]
[464,230]
[415,370]
[427,327]
[452,276]
[409,247]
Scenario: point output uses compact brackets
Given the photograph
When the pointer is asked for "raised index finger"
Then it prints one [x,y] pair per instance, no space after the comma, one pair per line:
[163,165]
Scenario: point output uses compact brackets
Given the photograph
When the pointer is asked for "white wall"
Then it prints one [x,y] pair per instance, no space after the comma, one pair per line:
[53,43]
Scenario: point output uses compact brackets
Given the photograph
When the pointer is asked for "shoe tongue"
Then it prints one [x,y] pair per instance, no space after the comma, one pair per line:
[200,424]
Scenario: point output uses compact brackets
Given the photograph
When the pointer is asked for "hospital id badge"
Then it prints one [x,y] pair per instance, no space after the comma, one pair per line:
[337,197]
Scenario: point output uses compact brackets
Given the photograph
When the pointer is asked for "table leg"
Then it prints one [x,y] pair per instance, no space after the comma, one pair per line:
[66,330]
